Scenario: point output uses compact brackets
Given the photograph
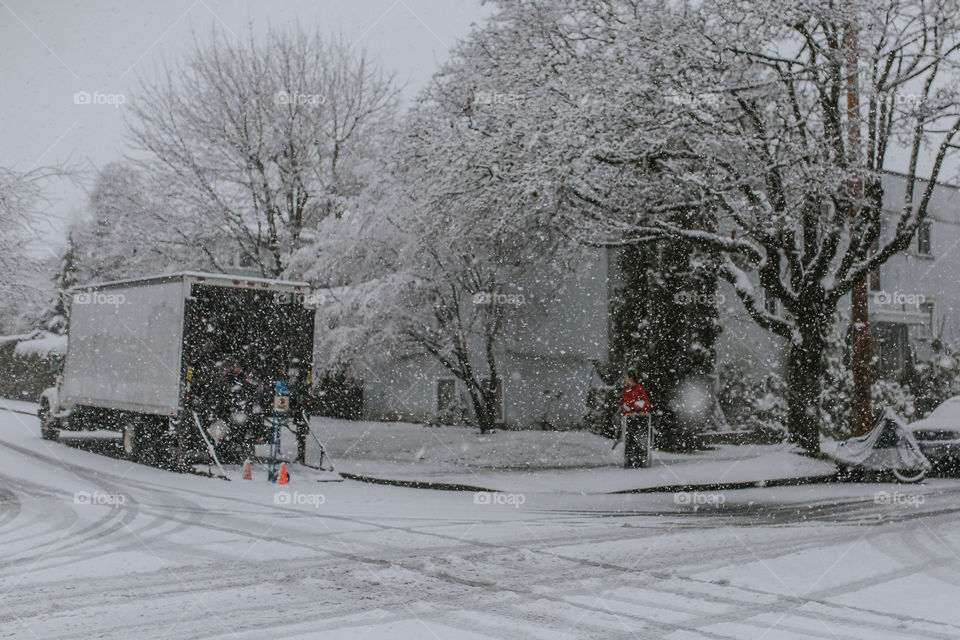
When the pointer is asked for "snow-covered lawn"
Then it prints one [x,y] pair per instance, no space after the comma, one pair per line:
[449,448]
[535,461]
[19,406]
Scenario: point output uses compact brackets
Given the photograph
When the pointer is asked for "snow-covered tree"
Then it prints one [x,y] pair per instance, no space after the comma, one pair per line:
[23,199]
[132,227]
[778,154]
[664,324]
[55,317]
[500,124]
[413,289]
[261,139]
[640,118]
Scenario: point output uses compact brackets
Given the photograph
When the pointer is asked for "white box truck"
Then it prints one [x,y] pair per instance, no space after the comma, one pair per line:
[152,357]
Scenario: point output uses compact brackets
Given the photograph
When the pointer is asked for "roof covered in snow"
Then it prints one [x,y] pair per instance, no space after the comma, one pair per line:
[223,279]
[43,347]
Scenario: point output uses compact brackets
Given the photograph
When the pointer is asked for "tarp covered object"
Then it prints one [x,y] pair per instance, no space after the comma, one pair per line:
[888,446]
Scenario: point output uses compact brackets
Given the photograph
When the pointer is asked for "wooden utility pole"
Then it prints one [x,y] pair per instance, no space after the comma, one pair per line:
[859,327]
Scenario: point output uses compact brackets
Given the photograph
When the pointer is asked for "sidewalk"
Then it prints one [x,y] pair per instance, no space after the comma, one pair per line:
[727,467]
[545,462]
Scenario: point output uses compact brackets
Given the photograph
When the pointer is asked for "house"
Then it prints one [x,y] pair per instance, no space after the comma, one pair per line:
[548,368]
[912,298]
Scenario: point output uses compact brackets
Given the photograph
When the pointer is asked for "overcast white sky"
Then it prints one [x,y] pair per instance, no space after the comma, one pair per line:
[53,49]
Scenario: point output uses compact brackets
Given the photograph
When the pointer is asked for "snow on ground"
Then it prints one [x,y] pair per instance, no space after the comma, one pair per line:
[94,546]
[448,448]
[536,461]
[19,406]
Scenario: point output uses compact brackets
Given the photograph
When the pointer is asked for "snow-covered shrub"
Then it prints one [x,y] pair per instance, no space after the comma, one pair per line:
[752,403]
[601,410]
[934,380]
[896,396]
[836,401]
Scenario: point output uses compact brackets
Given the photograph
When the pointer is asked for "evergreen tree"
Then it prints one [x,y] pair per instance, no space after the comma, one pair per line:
[665,324]
[55,319]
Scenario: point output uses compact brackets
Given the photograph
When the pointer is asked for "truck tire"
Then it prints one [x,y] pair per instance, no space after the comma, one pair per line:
[48,423]
[165,446]
[139,440]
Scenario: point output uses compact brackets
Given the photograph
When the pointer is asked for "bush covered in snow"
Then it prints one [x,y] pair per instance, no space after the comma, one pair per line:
[752,403]
[934,380]
[602,401]
[26,363]
[924,385]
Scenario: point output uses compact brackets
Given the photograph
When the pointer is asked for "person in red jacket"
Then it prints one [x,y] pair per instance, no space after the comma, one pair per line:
[634,399]
[634,411]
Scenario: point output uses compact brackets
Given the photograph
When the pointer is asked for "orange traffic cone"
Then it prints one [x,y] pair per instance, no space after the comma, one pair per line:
[247,470]
[282,477]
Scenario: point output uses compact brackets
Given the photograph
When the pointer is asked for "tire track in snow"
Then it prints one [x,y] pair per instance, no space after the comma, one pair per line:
[468,584]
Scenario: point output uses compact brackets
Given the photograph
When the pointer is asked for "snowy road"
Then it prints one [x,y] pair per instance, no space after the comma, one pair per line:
[92,546]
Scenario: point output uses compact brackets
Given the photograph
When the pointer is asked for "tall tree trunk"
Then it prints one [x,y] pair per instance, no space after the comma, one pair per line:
[483,410]
[805,383]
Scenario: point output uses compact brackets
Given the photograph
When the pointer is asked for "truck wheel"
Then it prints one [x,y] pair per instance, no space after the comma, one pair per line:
[165,446]
[48,423]
[137,440]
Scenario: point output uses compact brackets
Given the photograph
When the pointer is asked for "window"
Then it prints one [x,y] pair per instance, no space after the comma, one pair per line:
[926,308]
[890,348]
[924,247]
[446,395]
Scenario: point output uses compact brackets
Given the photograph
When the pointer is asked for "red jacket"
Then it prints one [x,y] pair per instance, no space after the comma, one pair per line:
[634,400]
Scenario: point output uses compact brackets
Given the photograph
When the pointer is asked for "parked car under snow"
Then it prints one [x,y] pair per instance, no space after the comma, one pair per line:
[939,433]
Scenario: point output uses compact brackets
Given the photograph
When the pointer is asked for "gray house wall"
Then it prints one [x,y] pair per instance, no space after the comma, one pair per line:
[935,276]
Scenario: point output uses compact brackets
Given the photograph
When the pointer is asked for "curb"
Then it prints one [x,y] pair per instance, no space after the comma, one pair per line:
[733,486]
[676,488]
[15,410]
[417,484]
